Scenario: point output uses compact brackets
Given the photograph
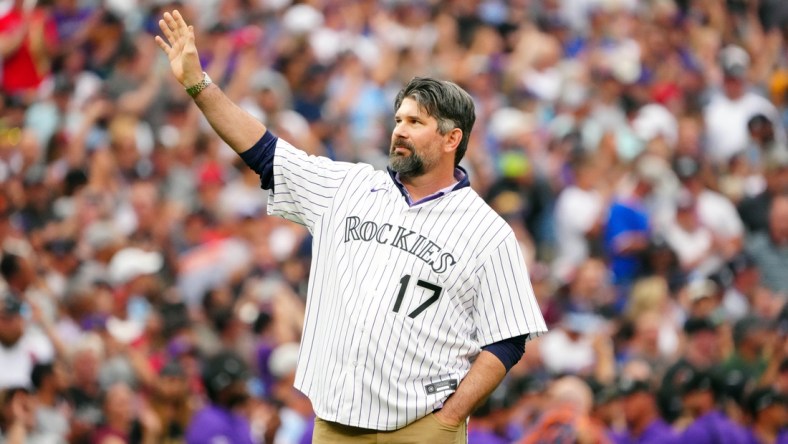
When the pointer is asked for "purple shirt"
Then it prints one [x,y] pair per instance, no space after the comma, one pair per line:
[714,428]
[459,175]
[480,436]
[658,432]
[752,438]
[214,425]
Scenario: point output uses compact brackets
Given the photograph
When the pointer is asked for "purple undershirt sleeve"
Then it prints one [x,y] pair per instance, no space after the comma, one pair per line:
[260,158]
[509,351]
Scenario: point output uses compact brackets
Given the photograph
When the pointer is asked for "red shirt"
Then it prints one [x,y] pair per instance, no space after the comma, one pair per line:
[25,68]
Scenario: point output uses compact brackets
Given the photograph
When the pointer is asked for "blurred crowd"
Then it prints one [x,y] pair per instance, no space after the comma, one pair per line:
[637,148]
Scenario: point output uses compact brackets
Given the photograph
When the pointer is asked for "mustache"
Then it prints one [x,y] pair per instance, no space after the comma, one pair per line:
[400,142]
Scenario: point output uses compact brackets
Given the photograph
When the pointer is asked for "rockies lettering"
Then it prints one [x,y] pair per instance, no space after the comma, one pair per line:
[402,238]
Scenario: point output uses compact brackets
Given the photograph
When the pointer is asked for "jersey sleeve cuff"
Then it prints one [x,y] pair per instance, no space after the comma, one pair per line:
[508,351]
[260,158]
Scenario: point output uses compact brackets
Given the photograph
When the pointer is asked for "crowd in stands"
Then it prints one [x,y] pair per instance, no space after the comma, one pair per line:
[638,149]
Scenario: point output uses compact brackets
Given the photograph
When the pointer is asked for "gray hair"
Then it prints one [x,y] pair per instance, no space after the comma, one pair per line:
[449,104]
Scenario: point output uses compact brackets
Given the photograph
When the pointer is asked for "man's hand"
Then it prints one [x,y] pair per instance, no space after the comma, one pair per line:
[444,419]
[181,51]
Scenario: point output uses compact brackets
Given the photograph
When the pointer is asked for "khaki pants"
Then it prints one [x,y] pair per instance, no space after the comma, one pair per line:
[425,430]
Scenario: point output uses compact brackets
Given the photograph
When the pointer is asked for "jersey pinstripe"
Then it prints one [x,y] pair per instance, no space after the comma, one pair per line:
[401,299]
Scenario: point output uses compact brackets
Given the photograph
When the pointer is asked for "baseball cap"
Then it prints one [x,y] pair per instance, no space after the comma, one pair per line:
[701,288]
[222,370]
[734,61]
[626,386]
[700,381]
[698,324]
[749,324]
[131,262]
[741,262]
[763,398]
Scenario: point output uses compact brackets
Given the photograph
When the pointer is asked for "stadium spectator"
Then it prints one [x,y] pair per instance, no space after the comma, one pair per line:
[769,413]
[701,396]
[644,424]
[767,248]
[224,378]
[21,346]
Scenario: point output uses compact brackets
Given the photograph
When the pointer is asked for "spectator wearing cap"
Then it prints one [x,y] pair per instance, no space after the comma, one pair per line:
[768,410]
[643,422]
[740,291]
[701,351]
[701,395]
[728,112]
[770,250]
[754,210]
[224,377]
[21,347]
[704,297]
[751,336]
[715,211]
[132,272]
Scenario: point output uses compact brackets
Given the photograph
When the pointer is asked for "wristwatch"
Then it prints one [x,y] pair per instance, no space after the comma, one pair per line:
[201,85]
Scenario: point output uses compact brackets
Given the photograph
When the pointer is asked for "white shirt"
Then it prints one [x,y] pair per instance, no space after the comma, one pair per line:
[718,214]
[692,246]
[726,123]
[561,354]
[576,211]
[18,360]
[401,299]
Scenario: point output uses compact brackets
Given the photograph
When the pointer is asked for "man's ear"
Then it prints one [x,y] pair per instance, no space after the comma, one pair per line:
[453,139]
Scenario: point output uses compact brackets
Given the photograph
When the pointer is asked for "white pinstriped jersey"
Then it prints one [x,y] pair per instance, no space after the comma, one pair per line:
[401,299]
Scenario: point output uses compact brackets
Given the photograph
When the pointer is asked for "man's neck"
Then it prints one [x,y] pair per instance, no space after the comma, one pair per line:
[427,184]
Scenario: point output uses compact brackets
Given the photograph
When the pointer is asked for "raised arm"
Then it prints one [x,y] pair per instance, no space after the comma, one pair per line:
[235,126]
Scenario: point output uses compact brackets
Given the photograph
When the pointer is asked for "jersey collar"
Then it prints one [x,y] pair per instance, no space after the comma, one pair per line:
[460,174]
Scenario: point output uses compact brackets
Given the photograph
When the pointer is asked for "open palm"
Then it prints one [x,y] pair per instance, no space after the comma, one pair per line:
[180,48]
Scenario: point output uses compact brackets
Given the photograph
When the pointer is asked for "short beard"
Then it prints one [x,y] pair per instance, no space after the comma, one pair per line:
[406,166]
